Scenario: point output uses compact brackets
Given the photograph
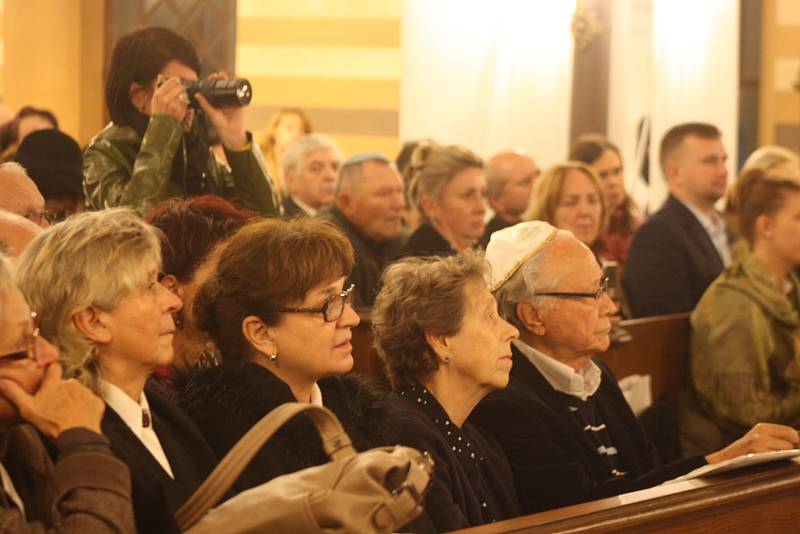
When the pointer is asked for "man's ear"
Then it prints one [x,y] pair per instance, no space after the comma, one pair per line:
[139,96]
[94,324]
[530,318]
[258,335]
[439,344]
[344,202]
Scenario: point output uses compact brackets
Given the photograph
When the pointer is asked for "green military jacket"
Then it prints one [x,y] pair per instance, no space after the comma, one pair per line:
[745,349]
[120,168]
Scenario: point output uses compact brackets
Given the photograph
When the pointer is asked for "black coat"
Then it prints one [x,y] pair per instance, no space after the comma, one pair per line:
[496,223]
[156,496]
[472,482]
[371,257]
[291,210]
[553,461]
[426,241]
[671,262]
[226,401]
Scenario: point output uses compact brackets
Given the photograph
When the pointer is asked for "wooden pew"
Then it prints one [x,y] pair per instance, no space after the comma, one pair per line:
[659,347]
[753,501]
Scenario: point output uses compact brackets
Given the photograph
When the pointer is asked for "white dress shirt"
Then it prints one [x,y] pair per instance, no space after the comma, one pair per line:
[11,491]
[581,383]
[303,206]
[133,413]
[716,229]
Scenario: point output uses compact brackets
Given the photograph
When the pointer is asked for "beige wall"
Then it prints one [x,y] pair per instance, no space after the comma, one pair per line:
[53,59]
[339,60]
[779,106]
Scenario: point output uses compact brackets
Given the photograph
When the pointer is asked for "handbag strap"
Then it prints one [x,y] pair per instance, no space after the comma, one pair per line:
[335,441]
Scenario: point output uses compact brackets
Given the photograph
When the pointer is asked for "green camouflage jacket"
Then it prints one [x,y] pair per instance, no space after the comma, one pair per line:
[745,349]
[120,168]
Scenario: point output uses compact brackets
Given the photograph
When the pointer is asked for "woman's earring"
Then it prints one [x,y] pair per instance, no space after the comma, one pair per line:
[273,357]
[448,357]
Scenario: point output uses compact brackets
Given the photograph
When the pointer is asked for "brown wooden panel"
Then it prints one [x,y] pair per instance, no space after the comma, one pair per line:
[755,500]
[659,347]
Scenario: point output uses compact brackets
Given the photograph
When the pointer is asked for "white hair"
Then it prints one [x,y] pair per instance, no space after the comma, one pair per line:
[304,145]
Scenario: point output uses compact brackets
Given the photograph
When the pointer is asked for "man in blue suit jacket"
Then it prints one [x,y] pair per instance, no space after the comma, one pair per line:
[684,246]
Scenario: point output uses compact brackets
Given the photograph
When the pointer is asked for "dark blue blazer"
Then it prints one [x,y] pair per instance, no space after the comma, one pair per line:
[671,263]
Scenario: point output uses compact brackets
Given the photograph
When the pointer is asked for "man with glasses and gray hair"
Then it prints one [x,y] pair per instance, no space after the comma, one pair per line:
[369,209]
[563,422]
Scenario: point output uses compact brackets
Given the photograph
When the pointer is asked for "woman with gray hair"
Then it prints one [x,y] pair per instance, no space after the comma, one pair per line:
[448,192]
[445,347]
[96,275]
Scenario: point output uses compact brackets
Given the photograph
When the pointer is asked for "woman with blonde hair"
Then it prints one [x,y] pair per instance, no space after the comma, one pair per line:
[746,327]
[285,125]
[605,159]
[96,276]
[773,160]
[570,197]
[448,190]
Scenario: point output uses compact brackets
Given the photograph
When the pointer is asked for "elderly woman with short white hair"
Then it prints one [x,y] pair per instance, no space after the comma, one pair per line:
[95,279]
[445,347]
[563,422]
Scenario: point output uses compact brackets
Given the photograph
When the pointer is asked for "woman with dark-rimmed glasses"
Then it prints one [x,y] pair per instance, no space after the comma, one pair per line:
[277,309]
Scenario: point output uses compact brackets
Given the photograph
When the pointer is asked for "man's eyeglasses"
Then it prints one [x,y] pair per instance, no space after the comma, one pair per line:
[333,307]
[597,295]
[30,349]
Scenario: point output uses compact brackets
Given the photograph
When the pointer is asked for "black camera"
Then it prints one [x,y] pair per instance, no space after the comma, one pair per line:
[219,93]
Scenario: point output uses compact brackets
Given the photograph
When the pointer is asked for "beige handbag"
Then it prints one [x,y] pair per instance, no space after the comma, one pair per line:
[377,491]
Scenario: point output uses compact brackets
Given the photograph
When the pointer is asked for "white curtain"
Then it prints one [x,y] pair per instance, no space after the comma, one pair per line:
[672,61]
[696,74]
[488,75]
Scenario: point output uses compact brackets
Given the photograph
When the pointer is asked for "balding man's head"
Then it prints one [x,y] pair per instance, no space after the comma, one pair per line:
[509,179]
[20,194]
[16,232]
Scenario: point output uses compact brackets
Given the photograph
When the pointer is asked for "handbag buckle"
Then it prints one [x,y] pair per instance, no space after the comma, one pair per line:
[411,489]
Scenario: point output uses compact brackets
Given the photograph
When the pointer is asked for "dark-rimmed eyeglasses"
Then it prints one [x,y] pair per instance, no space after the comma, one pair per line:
[597,295]
[333,307]
[30,349]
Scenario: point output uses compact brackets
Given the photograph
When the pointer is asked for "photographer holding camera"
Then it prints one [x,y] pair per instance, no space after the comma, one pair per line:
[156,146]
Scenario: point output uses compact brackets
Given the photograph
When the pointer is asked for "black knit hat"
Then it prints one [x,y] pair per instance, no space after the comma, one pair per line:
[53,161]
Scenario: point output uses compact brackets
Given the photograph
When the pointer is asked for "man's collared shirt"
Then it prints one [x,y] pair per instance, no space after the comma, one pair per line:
[133,414]
[716,230]
[582,383]
[303,206]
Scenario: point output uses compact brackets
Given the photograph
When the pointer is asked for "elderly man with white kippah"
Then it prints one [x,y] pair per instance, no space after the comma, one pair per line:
[563,422]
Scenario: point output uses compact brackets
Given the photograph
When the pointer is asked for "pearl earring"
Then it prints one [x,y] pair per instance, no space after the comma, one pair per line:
[448,357]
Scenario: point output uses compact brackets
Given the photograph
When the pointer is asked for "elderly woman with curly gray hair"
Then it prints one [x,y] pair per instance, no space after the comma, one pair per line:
[445,347]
